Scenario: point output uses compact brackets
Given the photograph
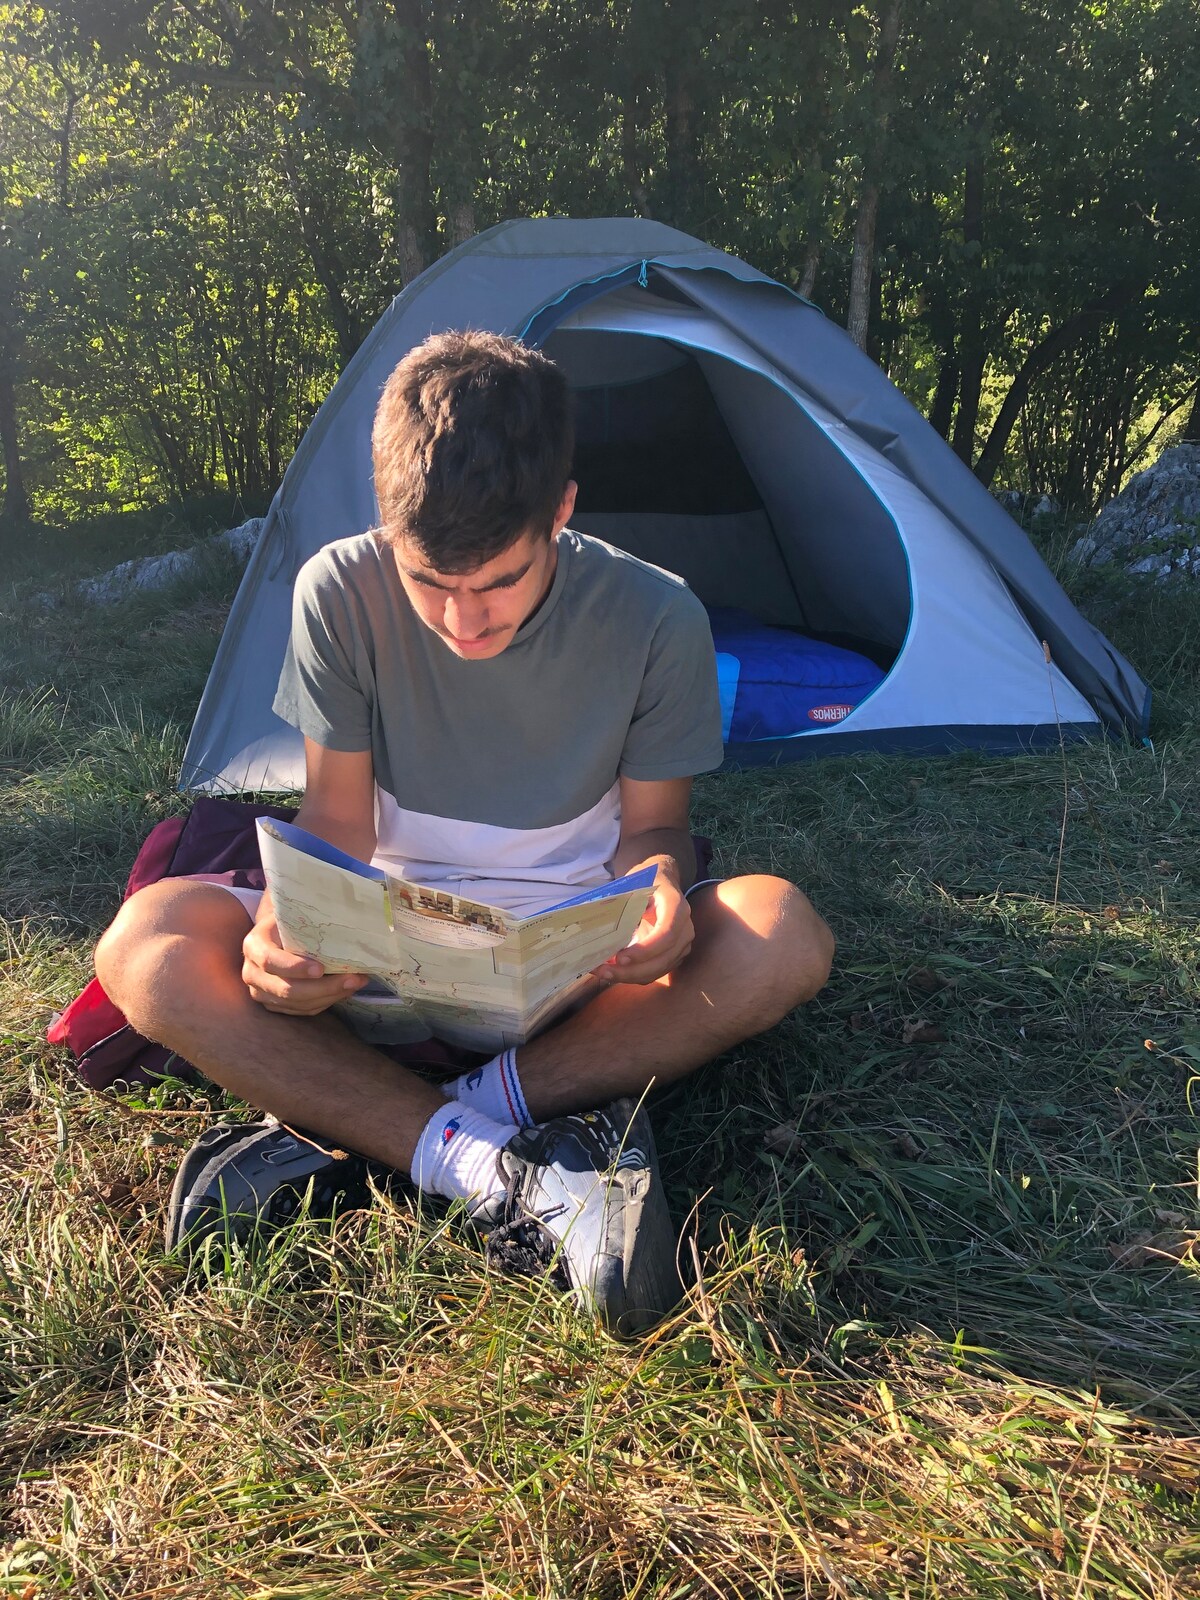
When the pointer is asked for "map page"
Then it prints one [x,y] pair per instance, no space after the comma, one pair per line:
[441,965]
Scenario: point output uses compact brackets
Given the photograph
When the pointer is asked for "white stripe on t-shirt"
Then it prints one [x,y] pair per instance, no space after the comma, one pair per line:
[517,869]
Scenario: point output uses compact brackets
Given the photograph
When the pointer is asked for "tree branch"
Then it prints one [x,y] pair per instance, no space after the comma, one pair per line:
[1043,355]
[1190,433]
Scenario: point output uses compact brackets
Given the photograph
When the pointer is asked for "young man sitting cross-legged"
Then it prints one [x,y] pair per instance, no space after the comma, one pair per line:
[498,706]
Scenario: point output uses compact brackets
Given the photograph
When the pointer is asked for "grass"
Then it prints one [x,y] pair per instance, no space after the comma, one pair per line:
[944,1340]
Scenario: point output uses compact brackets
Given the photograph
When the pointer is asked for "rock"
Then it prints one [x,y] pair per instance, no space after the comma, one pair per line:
[157,572]
[1153,525]
[1019,504]
[1012,500]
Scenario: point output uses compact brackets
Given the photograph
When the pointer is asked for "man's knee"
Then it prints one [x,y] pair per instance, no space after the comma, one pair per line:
[169,933]
[794,947]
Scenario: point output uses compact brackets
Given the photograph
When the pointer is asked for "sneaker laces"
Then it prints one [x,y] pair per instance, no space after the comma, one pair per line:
[522,1245]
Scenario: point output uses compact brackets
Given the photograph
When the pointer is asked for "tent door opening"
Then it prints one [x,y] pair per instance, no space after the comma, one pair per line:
[710,469]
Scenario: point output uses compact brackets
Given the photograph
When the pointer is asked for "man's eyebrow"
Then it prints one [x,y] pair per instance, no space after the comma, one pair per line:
[502,582]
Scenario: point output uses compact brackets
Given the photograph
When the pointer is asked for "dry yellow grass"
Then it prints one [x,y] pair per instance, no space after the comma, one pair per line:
[939,1345]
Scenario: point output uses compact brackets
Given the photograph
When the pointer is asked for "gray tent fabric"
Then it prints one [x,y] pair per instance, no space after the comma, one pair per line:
[860,514]
[831,368]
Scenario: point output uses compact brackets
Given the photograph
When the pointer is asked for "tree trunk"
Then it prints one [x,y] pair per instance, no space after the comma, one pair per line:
[1043,355]
[945,394]
[411,126]
[812,263]
[862,262]
[461,221]
[682,164]
[939,317]
[972,352]
[814,223]
[172,454]
[327,269]
[16,497]
[1191,432]
[631,125]
[65,133]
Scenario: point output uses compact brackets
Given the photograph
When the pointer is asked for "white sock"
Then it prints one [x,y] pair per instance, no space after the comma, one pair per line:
[456,1154]
[495,1089]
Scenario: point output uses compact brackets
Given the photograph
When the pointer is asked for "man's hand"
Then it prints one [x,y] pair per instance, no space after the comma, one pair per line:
[339,807]
[296,986]
[663,938]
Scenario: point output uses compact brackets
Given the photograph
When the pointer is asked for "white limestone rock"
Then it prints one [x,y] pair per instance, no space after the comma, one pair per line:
[157,572]
[1152,527]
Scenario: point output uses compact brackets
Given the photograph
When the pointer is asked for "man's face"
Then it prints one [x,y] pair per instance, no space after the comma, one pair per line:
[477,614]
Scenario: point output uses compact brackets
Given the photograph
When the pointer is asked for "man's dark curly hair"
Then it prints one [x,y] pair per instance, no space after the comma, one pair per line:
[472,444]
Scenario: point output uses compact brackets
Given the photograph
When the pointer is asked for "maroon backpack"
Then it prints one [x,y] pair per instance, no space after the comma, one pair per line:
[216,836]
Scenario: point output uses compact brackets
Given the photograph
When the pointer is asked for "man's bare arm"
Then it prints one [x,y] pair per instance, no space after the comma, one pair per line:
[339,798]
[654,830]
[339,807]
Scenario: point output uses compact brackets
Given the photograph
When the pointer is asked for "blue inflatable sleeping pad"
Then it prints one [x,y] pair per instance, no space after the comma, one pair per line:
[776,683]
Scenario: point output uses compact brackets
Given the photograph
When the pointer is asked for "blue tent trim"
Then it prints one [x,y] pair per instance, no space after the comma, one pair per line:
[999,740]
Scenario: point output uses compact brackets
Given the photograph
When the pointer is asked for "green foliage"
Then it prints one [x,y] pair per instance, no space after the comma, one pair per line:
[204,208]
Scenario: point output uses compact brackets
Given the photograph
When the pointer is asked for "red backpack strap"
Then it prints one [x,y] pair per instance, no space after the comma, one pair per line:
[105,1047]
[90,1017]
[96,1033]
[216,835]
[153,861]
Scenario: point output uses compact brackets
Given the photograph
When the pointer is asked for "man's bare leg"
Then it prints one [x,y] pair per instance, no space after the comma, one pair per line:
[760,950]
[172,962]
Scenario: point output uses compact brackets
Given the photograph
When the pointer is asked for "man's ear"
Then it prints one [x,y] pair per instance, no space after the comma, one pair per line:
[565,507]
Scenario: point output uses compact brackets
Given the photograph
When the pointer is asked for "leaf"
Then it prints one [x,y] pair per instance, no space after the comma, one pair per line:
[927,981]
[918,1031]
[1171,1219]
[864,1235]
[1146,1249]
[783,1140]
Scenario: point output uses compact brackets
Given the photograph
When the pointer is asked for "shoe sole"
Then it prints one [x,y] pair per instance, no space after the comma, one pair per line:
[212,1196]
[211,1143]
[651,1287]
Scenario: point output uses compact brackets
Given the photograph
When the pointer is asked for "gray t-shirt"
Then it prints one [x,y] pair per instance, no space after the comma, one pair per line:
[498,778]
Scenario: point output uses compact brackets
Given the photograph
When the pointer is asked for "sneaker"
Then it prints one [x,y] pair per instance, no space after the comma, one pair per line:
[239,1178]
[583,1204]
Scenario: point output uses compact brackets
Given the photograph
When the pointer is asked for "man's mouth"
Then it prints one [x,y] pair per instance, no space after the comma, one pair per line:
[481,643]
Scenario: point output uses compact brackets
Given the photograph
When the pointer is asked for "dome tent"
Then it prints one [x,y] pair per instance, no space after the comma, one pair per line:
[731,433]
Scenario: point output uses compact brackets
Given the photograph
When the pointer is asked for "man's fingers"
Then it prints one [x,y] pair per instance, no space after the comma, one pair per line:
[645,971]
[336,986]
[281,980]
[643,964]
[280,963]
[671,932]
[652,944]
[295,1004]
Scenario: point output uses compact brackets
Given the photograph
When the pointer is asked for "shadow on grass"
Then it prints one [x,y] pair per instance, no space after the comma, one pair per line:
[966,1132]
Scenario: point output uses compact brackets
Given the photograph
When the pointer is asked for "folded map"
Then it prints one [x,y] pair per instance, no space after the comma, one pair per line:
[441,965]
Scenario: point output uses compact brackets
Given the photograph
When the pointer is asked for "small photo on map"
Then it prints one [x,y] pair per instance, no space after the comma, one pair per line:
[436,903]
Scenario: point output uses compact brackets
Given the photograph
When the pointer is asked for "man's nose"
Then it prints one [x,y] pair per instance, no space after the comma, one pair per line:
[466,617]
